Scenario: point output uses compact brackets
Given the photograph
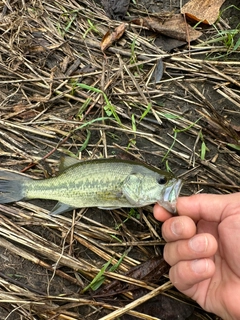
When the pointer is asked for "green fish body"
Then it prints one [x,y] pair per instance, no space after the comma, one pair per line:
[104,183]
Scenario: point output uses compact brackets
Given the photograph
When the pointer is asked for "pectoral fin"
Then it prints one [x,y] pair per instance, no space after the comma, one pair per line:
[61,208]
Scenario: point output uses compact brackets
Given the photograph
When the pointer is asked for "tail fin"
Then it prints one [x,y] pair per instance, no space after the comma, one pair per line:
[11,186]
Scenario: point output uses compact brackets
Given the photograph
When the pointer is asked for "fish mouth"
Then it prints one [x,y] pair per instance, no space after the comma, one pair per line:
[170,195]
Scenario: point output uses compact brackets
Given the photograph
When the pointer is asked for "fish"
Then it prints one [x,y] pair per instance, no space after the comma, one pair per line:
[103,183]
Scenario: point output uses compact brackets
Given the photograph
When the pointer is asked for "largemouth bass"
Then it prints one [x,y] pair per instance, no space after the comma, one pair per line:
[104,183]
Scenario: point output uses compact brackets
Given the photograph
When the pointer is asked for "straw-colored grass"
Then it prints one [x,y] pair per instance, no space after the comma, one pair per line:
[60,95]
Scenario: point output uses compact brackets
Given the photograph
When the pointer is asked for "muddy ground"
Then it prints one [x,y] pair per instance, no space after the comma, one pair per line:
[191,108]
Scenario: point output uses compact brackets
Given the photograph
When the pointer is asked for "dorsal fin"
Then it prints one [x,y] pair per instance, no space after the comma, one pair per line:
[66,162]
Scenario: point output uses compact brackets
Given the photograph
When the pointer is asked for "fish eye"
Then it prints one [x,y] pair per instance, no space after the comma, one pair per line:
[161,180]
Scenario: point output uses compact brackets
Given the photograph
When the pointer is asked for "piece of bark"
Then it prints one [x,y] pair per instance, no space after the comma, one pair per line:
[206,11]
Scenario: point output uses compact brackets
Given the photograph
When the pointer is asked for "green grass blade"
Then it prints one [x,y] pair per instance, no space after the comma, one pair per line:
[99,279]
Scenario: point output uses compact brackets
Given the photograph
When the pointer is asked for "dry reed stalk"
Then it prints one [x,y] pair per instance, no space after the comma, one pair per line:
[60,96]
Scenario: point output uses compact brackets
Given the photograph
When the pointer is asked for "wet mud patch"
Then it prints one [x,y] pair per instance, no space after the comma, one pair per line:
[53,76]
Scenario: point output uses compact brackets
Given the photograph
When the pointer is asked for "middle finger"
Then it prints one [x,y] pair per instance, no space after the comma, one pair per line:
[202,245]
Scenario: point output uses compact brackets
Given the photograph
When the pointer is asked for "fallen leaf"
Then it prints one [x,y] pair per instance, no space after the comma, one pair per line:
[168,44]
[158,72]
[111,37]
[162,307]
[24,112]
[206,11]
[174,26]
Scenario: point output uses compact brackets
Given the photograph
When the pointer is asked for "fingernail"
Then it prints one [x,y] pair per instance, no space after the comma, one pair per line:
[199,243]
[199,266]
[177,227]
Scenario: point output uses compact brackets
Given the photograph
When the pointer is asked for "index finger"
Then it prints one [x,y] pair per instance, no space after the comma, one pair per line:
[210,207]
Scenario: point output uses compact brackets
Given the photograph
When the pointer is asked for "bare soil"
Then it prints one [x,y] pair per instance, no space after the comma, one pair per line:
[192,128]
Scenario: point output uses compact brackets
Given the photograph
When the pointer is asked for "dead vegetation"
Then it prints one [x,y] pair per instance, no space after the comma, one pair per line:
[61,95]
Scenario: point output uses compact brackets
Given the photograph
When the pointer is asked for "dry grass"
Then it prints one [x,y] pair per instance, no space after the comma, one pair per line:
[188,122]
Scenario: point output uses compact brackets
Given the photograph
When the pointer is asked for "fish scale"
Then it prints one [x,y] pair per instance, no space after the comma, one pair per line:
[104,183]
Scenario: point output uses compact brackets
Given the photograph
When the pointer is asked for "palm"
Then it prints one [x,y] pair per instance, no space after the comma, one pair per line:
[216,284]
[222,291]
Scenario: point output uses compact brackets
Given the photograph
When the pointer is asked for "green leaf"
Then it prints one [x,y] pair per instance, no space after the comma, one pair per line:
[237,45]
[99,279]
[167,166]
[89,122]
[203,150]
[108,111]
[234,146]
[149,107]
[109,108]
[134,127]
[116,265]
[84,145]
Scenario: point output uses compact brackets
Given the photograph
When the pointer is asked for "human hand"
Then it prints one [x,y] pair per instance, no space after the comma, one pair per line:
[203,250]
